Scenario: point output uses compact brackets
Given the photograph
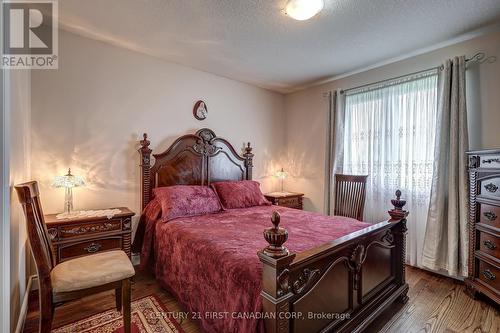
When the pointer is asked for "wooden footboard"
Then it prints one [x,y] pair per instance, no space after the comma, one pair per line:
[340,286]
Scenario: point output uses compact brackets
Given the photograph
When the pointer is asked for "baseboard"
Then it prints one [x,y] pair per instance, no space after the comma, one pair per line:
[32,285]
[442,273]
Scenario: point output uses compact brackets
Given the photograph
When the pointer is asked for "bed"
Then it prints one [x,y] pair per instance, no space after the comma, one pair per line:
[280,269]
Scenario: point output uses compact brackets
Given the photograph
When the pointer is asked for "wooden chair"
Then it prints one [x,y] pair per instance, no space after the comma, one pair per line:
[350,195]
[74,278]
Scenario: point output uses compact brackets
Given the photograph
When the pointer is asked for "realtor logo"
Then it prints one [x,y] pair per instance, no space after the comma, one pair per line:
[30,34]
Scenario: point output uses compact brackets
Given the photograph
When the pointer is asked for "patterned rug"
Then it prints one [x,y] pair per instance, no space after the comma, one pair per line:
[148,315]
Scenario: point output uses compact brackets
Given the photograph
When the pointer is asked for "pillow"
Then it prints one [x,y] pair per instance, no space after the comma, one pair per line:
[240,194]
[186,200]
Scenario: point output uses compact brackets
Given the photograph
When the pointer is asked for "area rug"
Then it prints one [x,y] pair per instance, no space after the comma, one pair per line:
[148,315]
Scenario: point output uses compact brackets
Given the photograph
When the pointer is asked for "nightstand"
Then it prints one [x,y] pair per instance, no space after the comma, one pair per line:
[76,237]
[285,199]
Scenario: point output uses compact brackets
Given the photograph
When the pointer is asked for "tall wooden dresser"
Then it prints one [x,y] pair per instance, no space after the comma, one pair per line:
[484,224]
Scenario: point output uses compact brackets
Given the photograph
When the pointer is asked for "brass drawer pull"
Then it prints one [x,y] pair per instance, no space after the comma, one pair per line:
[490,216]
[94,247]
[489,275]
[490,245]
[491,187]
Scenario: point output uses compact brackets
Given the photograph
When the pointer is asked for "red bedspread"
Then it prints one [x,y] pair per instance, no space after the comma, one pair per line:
[210,262]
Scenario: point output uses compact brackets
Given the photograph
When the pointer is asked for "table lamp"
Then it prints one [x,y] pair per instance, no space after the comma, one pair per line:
[68,181]
[281,175]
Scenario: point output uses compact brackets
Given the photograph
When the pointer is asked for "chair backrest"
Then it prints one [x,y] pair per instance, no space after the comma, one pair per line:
[350,194]
[37,230]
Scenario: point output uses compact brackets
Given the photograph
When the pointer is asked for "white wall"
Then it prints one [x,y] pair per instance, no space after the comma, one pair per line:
[90,114]
[17,168]
[306,112]
[20,155]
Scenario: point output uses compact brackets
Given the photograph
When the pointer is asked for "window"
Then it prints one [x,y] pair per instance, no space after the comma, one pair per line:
[389,132]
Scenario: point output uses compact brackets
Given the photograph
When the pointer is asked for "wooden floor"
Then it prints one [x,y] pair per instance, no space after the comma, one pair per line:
[437,304]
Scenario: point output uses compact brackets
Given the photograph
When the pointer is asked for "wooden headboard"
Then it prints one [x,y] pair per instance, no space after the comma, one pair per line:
[193,159]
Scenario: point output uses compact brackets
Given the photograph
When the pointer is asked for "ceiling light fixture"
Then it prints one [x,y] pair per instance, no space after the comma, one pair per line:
[303,9]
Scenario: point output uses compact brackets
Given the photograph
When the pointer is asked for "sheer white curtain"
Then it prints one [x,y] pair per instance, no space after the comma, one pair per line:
[389,132]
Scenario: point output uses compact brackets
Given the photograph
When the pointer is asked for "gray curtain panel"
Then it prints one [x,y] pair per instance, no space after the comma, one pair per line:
[334,154]
[446,238]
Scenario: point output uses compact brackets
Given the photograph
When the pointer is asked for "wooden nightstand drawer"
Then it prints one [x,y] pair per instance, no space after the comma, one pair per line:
[289,202]
[69,231]
[79,249]
[286,199]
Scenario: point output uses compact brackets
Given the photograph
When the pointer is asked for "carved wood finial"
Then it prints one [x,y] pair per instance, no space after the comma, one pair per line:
[398,213]
[276,237]
[276,219]
[248,149]
[145,142]
[398,194]
[248,155]
[145,152]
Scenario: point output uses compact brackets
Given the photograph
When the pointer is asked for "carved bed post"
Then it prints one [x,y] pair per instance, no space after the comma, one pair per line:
[145,170]
[275,289]
[248,155]
[398,214]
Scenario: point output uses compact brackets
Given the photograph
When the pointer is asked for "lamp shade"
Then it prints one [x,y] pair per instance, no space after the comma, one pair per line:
[281,174]
[68,181]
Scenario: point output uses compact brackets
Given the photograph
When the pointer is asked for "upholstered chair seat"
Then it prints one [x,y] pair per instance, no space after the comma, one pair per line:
[91,271]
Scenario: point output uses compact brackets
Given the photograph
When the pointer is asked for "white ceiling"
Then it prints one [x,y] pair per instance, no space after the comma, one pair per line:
[255,42]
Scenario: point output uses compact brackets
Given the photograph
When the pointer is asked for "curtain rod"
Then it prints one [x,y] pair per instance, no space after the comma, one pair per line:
[438,68]
[479,58]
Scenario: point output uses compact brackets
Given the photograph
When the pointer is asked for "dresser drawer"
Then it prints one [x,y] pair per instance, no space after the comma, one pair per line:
[490,187]
[490,162]
[490,215]
[69,231]
[89,247]
[489,244]
[489,274]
